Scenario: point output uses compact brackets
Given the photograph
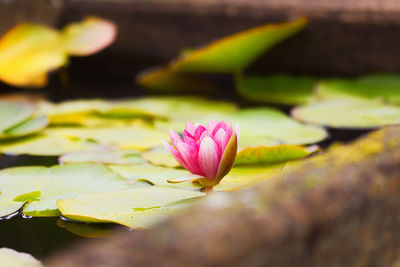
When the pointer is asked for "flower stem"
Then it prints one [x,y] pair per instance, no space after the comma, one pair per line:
[208,189]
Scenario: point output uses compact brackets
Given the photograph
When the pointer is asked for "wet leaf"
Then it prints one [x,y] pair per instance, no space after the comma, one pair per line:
[279,88]
[88,230]
[348,113]
[156,175]
[40,187]
[265,155]
[12,258]
[383,86]
[30,126]
[28,51]
[234,53]
[165,80]
[135,208]
[104,156]
[160,156]
[13,113]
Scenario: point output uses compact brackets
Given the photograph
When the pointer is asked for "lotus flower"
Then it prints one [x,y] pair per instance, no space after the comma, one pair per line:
[207,152]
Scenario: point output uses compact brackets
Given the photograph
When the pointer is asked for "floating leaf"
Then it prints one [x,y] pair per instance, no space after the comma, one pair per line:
[240,177]
[348,113]
[135,208]
[264,155]
[165,80]
[160,156]
[40,187]
[29,51]
[12,258]
[236,52]
[104,156]
[384,86]
[30,126]
[279,88]
[89,36]
[156,175]
[85,229]
[13,113]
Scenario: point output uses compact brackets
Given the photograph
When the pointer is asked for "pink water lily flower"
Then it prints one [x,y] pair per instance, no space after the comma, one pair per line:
[207,152]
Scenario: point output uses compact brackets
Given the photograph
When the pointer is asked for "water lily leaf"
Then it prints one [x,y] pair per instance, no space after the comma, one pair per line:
[85,229]
[29,51]
[89,36]
[234,53]
[264,155]
[348,113]
[156,175]
[166,80]
[30,126]
[135,208]
[160,156]
[104,156]
[12,258]
[279,88]
[40,187]
[13,113]
[384,86]
[271,127]
[240,177]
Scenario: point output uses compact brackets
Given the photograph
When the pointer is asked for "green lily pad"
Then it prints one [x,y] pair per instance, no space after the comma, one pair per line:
[156,175]
[234,53]
[349,113]
[104,156]
[13,113]
[30,126]
[37,189]
[160,156]
[12,258]
[264,155]
[383,86]
[135,208]
[279,88]
[88,230]
[240,177]
[165,80]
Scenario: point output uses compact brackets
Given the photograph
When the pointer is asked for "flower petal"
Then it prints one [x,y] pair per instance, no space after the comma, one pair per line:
[185,178]
[237,131]
[211,126]
[190,128]
[175,138]
[224,125]
[208,157]
[221,138]
[176,154]
[199,131]
[189,155]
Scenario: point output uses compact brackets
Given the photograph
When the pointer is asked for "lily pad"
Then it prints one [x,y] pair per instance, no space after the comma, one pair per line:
[349,113]
[165,80]
[279,88]
[88,230]
[234,53]
[383,86]
[29,51]
[264,155]
[13,113]
[156,175]
[104,156]
[37,189]
[135,208]
[30,126]
[12,258]
[160,156]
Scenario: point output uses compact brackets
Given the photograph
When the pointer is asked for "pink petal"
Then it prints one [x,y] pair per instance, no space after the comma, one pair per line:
[199,131]
[189,155]
[204,135]
[237,131]
[191,142]
[190,128]
[211,126]
[221,138]
[209,158]
[175,138]
[223,125]
[176,154]
[187,134]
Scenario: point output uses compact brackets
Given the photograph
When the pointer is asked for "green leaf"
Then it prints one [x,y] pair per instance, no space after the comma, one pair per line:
[39,188]
[30,126]
[384,86]
[234,53]
[165,80]
[279,88]
[348,113]
[12,258]
[135,208]
[264,155]
[104,156]
[13,113]
[160,156]
[85,229]
[156,175]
